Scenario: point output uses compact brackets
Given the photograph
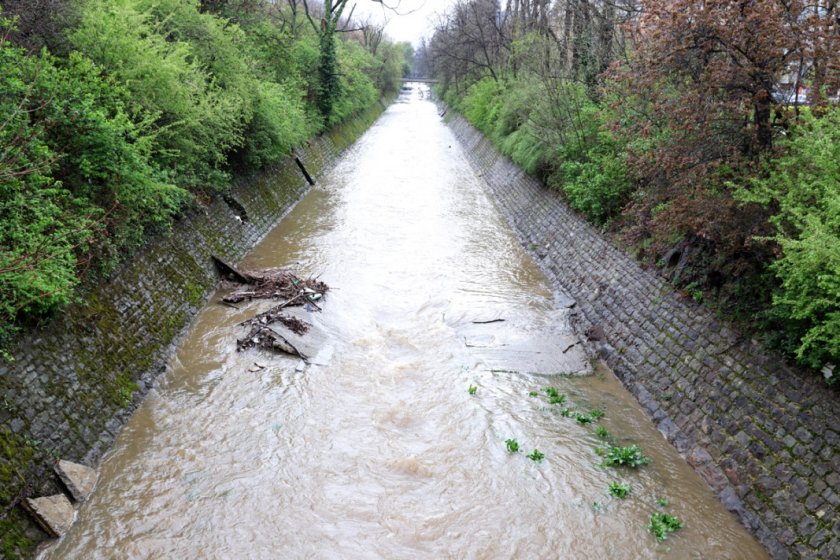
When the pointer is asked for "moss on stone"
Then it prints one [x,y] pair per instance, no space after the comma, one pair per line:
[18,542]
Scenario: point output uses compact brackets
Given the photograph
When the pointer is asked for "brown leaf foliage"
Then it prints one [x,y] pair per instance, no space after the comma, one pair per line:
[703,100]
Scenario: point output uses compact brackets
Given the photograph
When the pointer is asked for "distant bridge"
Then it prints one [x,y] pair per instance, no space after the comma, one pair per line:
[421,80]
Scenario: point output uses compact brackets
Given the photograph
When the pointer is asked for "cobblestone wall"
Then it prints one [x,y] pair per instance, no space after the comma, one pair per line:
[75,381]
[763,436]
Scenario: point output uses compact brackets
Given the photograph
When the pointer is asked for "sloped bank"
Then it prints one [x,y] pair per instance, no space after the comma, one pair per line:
[74,382]
[764,437]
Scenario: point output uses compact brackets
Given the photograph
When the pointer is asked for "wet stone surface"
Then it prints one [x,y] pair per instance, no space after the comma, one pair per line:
[79,479]
[55,513]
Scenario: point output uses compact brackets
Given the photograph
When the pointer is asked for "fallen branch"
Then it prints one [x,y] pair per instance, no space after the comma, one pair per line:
[274,315]
[570,346]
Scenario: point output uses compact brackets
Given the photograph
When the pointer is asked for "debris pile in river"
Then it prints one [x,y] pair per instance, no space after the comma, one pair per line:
[272,284]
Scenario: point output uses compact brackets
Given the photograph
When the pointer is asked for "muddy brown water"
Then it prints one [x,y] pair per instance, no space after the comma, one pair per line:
[377,449]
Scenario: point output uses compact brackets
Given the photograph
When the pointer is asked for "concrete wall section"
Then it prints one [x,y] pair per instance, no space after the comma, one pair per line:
[763,436]
[75,381]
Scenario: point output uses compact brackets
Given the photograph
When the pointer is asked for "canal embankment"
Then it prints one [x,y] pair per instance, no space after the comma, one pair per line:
[74,382]
[765,437]
[446,410]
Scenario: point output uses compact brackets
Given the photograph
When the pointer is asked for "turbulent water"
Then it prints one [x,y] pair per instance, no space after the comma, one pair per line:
[377,449]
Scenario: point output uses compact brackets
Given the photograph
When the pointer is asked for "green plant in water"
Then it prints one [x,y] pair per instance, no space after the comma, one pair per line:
[535,455]
[663,524]
[512,445]
[472,389]
[557,399]
[596,414]
[630,456]
[602,432]
[583,418]
[663,502]
[619,490]
[566,413]
[551,392]
[533,394]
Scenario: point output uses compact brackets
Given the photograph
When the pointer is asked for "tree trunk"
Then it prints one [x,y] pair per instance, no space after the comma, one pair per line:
[763,131]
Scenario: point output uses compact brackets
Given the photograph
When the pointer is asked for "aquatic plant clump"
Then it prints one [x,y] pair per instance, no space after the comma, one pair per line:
[630,456]
[663,524]
[512,445]
[619,489]
[536,456]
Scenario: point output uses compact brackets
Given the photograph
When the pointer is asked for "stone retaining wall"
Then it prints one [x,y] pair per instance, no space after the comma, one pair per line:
[74,382]
[763,436]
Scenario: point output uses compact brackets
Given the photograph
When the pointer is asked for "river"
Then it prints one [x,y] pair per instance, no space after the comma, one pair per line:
[378,449]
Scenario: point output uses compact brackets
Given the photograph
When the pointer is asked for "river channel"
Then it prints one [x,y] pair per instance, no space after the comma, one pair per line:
[377,449]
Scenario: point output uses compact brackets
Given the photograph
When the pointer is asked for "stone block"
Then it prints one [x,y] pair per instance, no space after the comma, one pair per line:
[79,479]
[54,513]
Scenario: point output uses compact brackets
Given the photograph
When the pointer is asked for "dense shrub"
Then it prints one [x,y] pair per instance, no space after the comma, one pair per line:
[279,122]
[76,179]
[196,120]
[356,67]
[560,136]
[802,184]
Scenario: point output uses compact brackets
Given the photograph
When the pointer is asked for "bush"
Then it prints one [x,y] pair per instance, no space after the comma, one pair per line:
[356,86]
[802,184]
[76,180]
[196,120]
[482,104]
[278,124]
[559,136]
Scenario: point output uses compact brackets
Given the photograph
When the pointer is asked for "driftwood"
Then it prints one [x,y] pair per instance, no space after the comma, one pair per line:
[488,322]
[274,315]
[230,273]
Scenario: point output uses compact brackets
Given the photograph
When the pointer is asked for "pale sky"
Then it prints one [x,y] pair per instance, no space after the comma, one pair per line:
[417,22]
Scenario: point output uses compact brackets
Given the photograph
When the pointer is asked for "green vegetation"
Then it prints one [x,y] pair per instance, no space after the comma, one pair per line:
[663,524]
[145,108]
[662,502]
[619,490]
[536,456]
[472,389]
[596,414]
[551,392]
[802,185]
[630,456]
[512,445]
[602,433]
